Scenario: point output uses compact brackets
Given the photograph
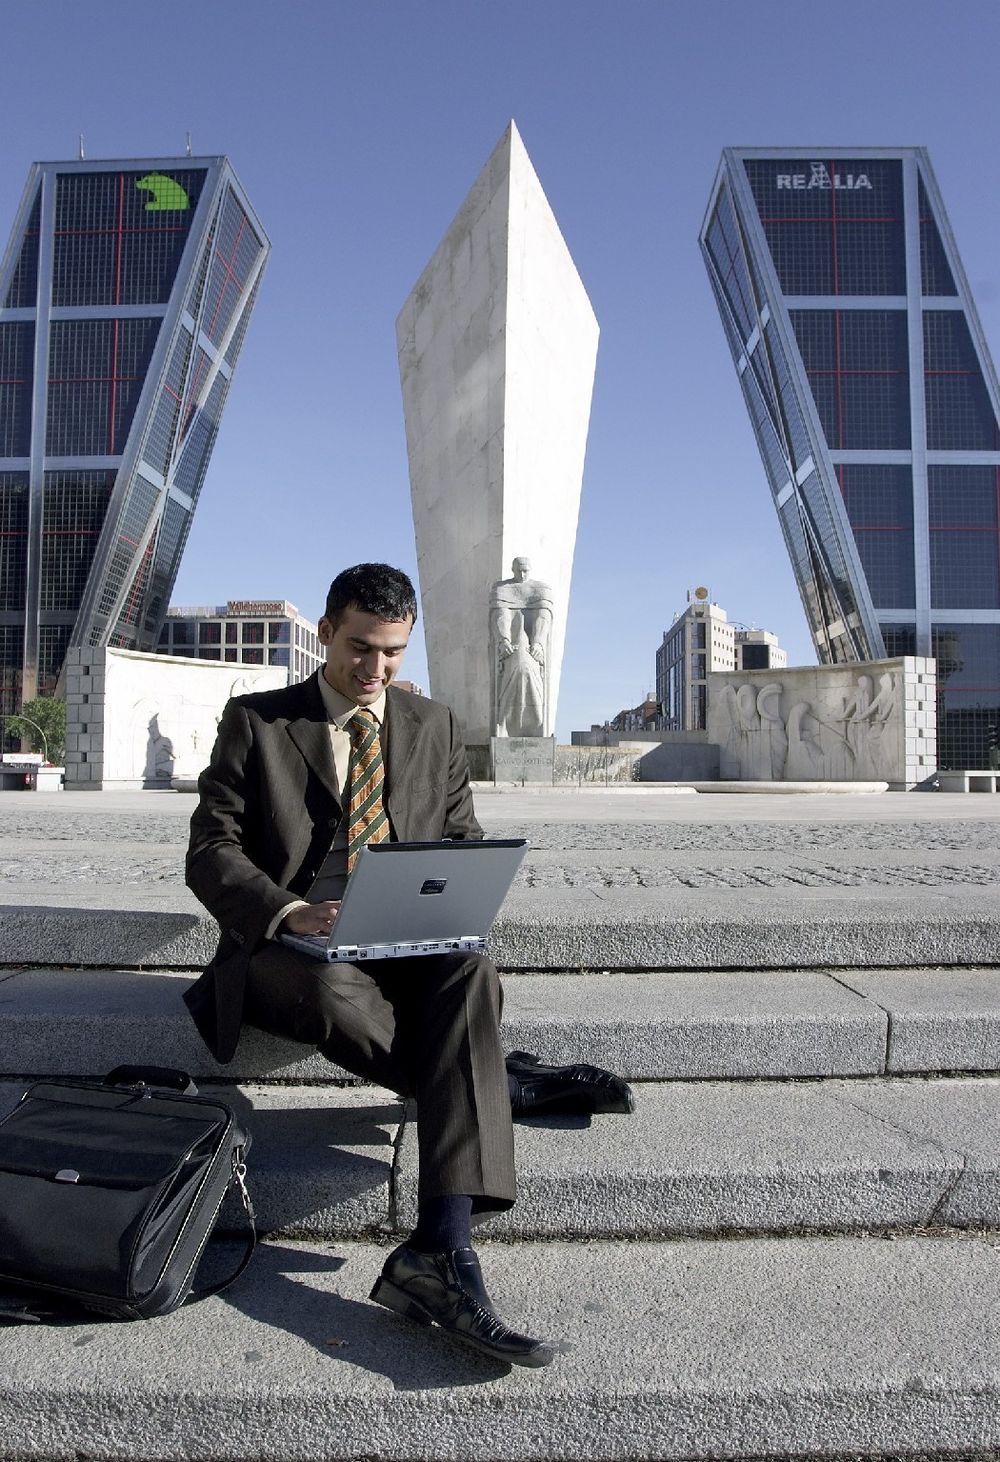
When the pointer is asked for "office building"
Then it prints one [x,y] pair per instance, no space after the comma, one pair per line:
[125,294]
[244,632]
[758,649]
[875,405]
[699,640]
[250,632]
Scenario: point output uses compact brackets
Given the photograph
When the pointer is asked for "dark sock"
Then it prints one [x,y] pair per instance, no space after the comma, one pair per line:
[443,1224]
[514,1087]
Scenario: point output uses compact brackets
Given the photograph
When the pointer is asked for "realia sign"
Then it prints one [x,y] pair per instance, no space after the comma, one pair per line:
[820,177]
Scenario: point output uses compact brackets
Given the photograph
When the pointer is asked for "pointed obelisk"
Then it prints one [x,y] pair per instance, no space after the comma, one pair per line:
[497,348]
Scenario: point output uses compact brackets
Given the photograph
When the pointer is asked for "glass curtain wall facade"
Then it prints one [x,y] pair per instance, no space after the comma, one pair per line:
[875,405]
[125,294]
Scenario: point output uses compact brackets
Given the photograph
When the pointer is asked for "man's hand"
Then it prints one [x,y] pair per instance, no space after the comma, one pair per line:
[311,918]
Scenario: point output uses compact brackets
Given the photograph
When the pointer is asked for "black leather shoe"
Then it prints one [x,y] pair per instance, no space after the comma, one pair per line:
[448,1290]
[578,1088]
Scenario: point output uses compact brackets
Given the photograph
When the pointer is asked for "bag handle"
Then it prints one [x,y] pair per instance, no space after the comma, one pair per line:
[168,1077]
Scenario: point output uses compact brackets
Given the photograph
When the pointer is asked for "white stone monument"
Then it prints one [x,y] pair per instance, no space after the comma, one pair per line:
[874,721]
[497,348]
[136,720]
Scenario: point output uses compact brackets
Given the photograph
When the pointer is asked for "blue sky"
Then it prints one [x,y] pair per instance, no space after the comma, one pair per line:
[357,129]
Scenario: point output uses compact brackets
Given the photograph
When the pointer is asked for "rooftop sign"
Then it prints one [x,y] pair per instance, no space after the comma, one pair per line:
[819,177]
[257,606]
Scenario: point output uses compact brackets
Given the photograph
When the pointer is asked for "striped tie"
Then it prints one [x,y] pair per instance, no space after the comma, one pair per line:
[366,817]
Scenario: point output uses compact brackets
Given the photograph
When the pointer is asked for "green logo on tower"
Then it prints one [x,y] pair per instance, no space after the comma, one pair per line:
[168,195]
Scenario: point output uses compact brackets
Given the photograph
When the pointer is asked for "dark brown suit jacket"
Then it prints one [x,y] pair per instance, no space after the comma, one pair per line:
[269,812]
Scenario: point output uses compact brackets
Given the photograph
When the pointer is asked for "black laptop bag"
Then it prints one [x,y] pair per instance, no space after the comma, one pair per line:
[109,1191]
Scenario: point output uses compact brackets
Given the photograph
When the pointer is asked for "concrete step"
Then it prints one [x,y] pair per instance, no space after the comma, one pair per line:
[803,920]
[648,1027]
[804,1348]
[697,1159]
[668,1025]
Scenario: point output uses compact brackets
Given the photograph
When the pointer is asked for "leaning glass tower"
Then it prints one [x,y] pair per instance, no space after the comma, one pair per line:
[875,405]
[125,294]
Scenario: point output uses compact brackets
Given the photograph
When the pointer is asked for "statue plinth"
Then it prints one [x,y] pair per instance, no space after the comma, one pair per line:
[523,759]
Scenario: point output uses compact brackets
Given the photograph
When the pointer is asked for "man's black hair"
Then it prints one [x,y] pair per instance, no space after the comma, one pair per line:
[374,588]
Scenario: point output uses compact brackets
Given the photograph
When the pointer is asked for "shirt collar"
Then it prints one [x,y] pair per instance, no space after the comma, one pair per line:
[339,709]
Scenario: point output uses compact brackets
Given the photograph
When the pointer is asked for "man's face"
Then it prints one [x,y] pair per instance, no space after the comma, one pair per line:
[521,567]
[363,653]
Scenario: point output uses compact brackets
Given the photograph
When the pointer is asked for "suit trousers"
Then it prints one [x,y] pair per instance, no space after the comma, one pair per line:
[427,1028]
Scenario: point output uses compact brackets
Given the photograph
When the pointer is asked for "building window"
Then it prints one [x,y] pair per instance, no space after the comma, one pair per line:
[968,668]
[857,365]
[900,639]
[210,634]
[13,540]
[699,707]
[959,412]
[935,273]
[96,372]
[253,632]
[879,502]
[24,281]
[756,657]
[964,537]
[17,344]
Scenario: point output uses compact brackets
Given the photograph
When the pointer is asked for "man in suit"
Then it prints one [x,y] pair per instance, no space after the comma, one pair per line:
[300,778]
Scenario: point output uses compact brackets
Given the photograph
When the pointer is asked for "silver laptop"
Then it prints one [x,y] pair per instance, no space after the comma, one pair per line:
[404,899]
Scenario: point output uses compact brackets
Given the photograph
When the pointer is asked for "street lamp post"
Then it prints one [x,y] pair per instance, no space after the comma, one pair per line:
[29,722]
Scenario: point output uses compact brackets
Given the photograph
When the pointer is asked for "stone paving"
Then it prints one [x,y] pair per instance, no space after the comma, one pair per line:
[630,838]
[790,1250]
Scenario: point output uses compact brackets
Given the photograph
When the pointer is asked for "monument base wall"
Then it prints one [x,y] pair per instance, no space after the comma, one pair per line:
[865,722]
[680,761]
[137,721]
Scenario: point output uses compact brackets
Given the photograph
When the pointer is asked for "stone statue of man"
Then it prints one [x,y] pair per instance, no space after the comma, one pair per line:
[520,631]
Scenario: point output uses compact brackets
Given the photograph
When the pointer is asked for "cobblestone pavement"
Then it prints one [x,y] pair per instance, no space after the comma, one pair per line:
[137,866]
[664,842]
[125,869]
[70,842]
[748,835]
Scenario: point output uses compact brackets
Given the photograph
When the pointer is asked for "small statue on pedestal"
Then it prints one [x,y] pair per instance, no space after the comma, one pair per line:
[521,611]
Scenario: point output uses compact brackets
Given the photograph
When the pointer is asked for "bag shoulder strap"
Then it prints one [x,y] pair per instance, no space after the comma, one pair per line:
[239,1178]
